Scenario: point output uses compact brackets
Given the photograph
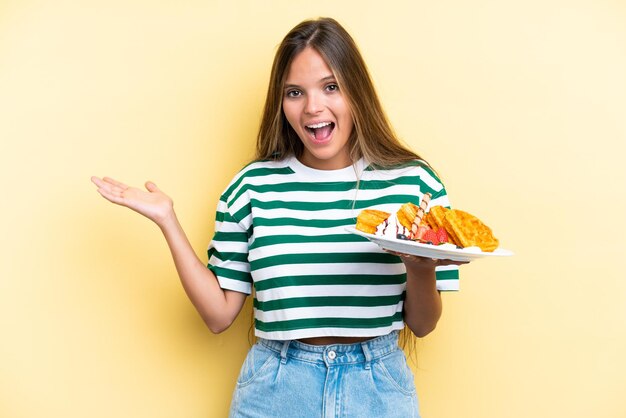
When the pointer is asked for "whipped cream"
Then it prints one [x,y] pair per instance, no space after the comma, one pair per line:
[391,228]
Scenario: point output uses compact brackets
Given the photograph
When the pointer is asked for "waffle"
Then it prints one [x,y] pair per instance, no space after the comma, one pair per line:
[434,218]
[463,229]
[406,214]
[410,215]
[369,219]
[468,231]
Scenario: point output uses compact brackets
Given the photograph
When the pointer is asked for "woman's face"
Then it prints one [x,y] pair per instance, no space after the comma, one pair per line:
[318,112]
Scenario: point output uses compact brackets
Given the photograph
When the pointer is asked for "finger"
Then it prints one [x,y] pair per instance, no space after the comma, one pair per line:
[111,196]
[418,259]
[108,190]
[407,256]
[108,187]
[97,181]
[452,263]
[152,187]
[115,183]
[435,261]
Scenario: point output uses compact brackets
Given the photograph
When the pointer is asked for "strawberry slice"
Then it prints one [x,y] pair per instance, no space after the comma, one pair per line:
[442,235]
[421,230]
[430,236]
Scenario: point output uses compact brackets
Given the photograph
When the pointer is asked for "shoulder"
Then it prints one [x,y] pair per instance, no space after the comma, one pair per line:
[413,178]
[416,167]
[261,168]
[257,173]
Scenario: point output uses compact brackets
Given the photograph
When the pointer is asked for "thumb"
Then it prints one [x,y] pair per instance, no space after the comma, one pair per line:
[152,187]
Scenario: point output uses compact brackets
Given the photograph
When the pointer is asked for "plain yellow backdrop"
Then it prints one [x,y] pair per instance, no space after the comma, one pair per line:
[520,105]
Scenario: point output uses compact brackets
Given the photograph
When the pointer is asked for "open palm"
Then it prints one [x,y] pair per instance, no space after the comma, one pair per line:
[151,203]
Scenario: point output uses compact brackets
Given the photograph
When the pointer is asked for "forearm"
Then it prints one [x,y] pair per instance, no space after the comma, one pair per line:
[422,304]
[217,307]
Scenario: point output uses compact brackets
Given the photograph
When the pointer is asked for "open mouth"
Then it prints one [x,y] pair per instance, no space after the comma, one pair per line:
[320,131]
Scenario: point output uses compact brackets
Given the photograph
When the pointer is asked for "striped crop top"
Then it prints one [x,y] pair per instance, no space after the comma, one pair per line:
[280,232]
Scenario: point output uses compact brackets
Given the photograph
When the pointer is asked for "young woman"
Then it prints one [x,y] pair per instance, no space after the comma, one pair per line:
[328,304]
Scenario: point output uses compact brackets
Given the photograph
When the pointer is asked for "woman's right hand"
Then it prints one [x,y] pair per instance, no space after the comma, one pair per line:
[153,203]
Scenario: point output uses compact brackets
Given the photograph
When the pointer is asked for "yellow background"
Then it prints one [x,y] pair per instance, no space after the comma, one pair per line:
[520,105]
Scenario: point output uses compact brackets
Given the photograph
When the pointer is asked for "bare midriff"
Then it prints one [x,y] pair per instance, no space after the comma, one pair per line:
[333,340]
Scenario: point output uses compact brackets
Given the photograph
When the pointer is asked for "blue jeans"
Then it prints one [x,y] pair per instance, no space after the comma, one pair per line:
[291,379]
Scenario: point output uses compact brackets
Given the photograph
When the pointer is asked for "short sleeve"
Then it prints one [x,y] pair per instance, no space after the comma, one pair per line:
[447,278]
[228,250]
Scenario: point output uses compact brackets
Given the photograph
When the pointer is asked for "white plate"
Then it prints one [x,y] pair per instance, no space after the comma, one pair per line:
[428,250]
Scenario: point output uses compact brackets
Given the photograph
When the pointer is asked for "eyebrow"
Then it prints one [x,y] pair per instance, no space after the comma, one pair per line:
[322,80]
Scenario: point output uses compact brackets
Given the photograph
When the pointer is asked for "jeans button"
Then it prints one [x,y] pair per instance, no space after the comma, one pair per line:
[332,355]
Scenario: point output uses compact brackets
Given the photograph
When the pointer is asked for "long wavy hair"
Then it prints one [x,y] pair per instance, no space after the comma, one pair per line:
[372,136]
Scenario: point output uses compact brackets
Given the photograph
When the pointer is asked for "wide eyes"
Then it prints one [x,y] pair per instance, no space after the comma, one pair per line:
[294,93]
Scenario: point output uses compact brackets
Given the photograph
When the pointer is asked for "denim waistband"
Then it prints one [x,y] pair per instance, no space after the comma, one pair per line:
[335,354]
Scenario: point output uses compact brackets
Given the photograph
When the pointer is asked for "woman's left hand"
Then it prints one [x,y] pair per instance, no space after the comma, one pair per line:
[415,261]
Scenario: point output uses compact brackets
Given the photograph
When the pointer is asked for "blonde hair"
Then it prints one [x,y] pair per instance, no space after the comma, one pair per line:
[372,136]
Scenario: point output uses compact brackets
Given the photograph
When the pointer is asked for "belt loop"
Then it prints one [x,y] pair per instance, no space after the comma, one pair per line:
[368,355]
[283,352]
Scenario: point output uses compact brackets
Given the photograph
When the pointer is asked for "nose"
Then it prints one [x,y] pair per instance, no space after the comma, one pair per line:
[314,104]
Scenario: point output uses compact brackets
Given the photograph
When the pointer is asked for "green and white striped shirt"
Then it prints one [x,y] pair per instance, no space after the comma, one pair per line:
[280,228]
